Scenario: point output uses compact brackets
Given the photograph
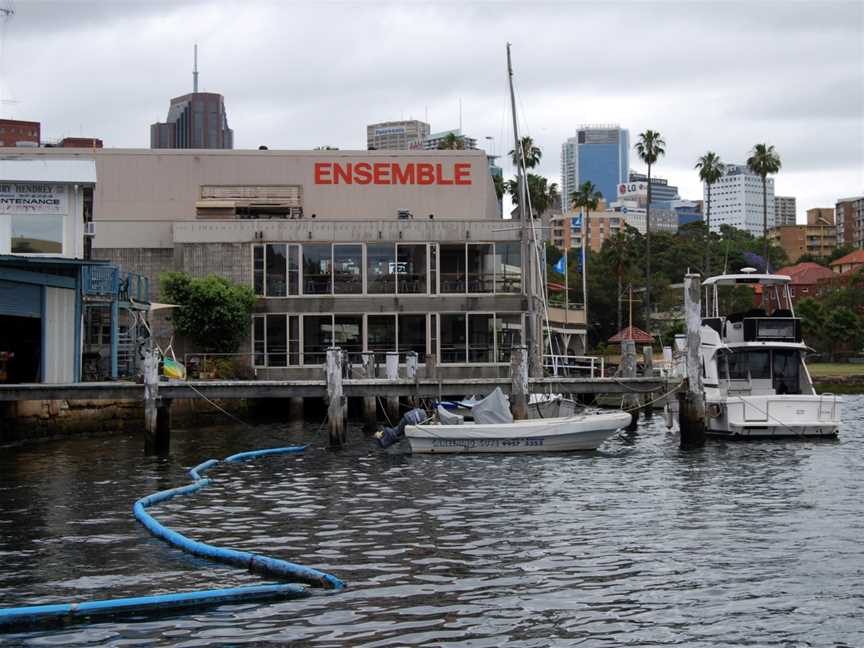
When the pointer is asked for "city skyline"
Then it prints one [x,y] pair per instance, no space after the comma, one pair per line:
[346,67]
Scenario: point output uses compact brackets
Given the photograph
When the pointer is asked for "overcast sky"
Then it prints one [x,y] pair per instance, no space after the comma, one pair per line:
[712,75]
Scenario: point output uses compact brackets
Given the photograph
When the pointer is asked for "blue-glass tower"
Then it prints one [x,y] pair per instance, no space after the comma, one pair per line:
[600,154]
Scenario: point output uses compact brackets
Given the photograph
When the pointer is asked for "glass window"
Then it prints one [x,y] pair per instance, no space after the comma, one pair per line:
[381,335]
[277,341]
[412,336]
[277,271]
[317,269]
[508,268]
[37,234]
[481,337]
[258,341]
[481,268]
[508,333]
[258,269]
[293,269]
[452,258]
[760,365]
[411,268]
[317,338]
[381,268]
[786,368]
[433,334]
[348,336]
[433,268]
[453,347]
[348,269]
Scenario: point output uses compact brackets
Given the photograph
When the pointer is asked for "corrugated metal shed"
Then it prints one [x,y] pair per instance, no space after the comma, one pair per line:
[71,171]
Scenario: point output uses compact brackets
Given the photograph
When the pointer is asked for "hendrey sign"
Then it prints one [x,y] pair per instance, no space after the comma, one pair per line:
[392,173]
[33,198]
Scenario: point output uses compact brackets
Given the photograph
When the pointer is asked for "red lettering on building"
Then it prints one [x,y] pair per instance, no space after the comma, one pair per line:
[320,169]
[462,172]
[392,173]
[363,173]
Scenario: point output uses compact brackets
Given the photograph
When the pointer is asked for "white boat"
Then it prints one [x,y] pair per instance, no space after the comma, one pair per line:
[578,432]
[755,380]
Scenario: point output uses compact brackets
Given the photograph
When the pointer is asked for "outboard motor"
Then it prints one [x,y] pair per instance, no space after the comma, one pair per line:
[390,435]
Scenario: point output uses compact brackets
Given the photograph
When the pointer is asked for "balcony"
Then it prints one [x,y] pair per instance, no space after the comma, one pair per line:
[99,282]
[563,315]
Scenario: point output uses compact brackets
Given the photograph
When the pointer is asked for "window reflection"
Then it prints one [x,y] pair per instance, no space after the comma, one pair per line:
[508,334]
[453,341]
[348,269]
[277,271]
[508,257]
[452,261]
[411,268]
[412,336]
[317,269]
[481,268]
[348,336]
[37,234]
[481,337]
[317,338]
[381,268]
[382,335]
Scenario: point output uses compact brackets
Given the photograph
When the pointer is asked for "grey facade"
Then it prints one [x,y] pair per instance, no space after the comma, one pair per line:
[784,210]
[396,135]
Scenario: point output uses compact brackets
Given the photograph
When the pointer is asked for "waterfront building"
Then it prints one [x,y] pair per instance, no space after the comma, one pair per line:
[806,278]
[48,288]
[431,142]
[14,132]
[600,154]
[372,251]
[396,135]
[736,200]
[849,214]
[849,263]
[784,210]
[796,240]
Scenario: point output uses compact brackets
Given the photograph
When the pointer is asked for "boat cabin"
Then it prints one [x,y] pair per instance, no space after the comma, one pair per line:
[756,352]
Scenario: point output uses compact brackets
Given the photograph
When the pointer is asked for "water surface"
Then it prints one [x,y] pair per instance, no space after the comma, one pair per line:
[640,544]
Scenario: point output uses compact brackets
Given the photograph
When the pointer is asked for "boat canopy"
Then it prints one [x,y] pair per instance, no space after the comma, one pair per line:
[748,278]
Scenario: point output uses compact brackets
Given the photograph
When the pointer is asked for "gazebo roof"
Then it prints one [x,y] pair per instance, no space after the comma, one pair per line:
[632,333]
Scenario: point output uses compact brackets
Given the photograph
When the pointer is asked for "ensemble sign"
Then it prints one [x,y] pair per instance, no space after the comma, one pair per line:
[33,198]
[392,173]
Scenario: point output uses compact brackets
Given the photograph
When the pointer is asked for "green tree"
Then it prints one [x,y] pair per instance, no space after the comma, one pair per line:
[812,317]
[586,198]
[498,182]
[840,252]
[541,193]
[620,253]
[763,161]
[214,313]
[650,147]
[451,142]
[532,153]
[710,171]
[843,330]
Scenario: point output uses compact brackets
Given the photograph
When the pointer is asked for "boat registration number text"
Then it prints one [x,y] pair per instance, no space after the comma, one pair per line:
[486,443]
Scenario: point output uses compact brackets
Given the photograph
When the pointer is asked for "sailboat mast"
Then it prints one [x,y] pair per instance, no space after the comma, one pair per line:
[527,242]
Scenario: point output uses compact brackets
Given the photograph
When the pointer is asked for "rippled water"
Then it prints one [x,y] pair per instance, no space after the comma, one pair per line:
[640,544]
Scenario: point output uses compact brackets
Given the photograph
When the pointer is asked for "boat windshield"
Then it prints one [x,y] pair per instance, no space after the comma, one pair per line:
[781,366]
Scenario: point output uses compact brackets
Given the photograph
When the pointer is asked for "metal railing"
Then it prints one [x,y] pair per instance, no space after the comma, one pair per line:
[558,301]
[569,365]
[137,287]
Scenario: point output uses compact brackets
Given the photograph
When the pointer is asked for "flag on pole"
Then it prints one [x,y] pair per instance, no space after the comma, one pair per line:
[561,265]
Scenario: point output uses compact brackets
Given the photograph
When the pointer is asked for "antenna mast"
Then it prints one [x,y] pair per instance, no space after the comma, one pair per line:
[195,71]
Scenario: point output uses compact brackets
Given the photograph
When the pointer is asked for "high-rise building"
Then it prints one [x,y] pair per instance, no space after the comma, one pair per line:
[736,200]
[850,221]
[197,120]
[433,141]
[396,135]
[796,240]
[600,154]
[820,216]
[661,190]
[784,210]
[19,133]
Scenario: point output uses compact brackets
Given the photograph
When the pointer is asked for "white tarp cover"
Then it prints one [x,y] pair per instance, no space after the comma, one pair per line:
[449,418]
[495,408]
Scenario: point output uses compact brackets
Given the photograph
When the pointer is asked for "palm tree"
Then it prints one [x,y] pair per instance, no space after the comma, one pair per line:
[452,142]
[531,152]
[541,193]
[650,147]
[585,198]
[762,161]
[710,171]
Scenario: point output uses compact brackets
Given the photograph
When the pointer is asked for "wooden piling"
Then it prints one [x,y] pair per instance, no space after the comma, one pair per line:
[691,413]
[369,370]
[392,373]
[411,374]
[648,370]
[151,394]
[519,384]
[335,407]
[163,426]
[628,370]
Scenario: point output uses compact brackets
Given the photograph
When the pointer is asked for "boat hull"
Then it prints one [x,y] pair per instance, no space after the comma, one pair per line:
[581,432]
[775,416]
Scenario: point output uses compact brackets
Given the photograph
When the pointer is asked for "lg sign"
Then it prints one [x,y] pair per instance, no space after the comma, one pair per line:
[632,187]
[392,173]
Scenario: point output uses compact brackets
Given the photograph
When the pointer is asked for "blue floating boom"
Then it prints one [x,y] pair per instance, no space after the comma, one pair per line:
[47,614]
[274,567]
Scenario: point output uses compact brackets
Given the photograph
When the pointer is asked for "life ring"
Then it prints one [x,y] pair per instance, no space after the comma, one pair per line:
[714,410]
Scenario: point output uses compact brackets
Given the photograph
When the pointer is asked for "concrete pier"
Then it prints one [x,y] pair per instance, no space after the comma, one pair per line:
[368,370]
[391,371]
[691,413]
